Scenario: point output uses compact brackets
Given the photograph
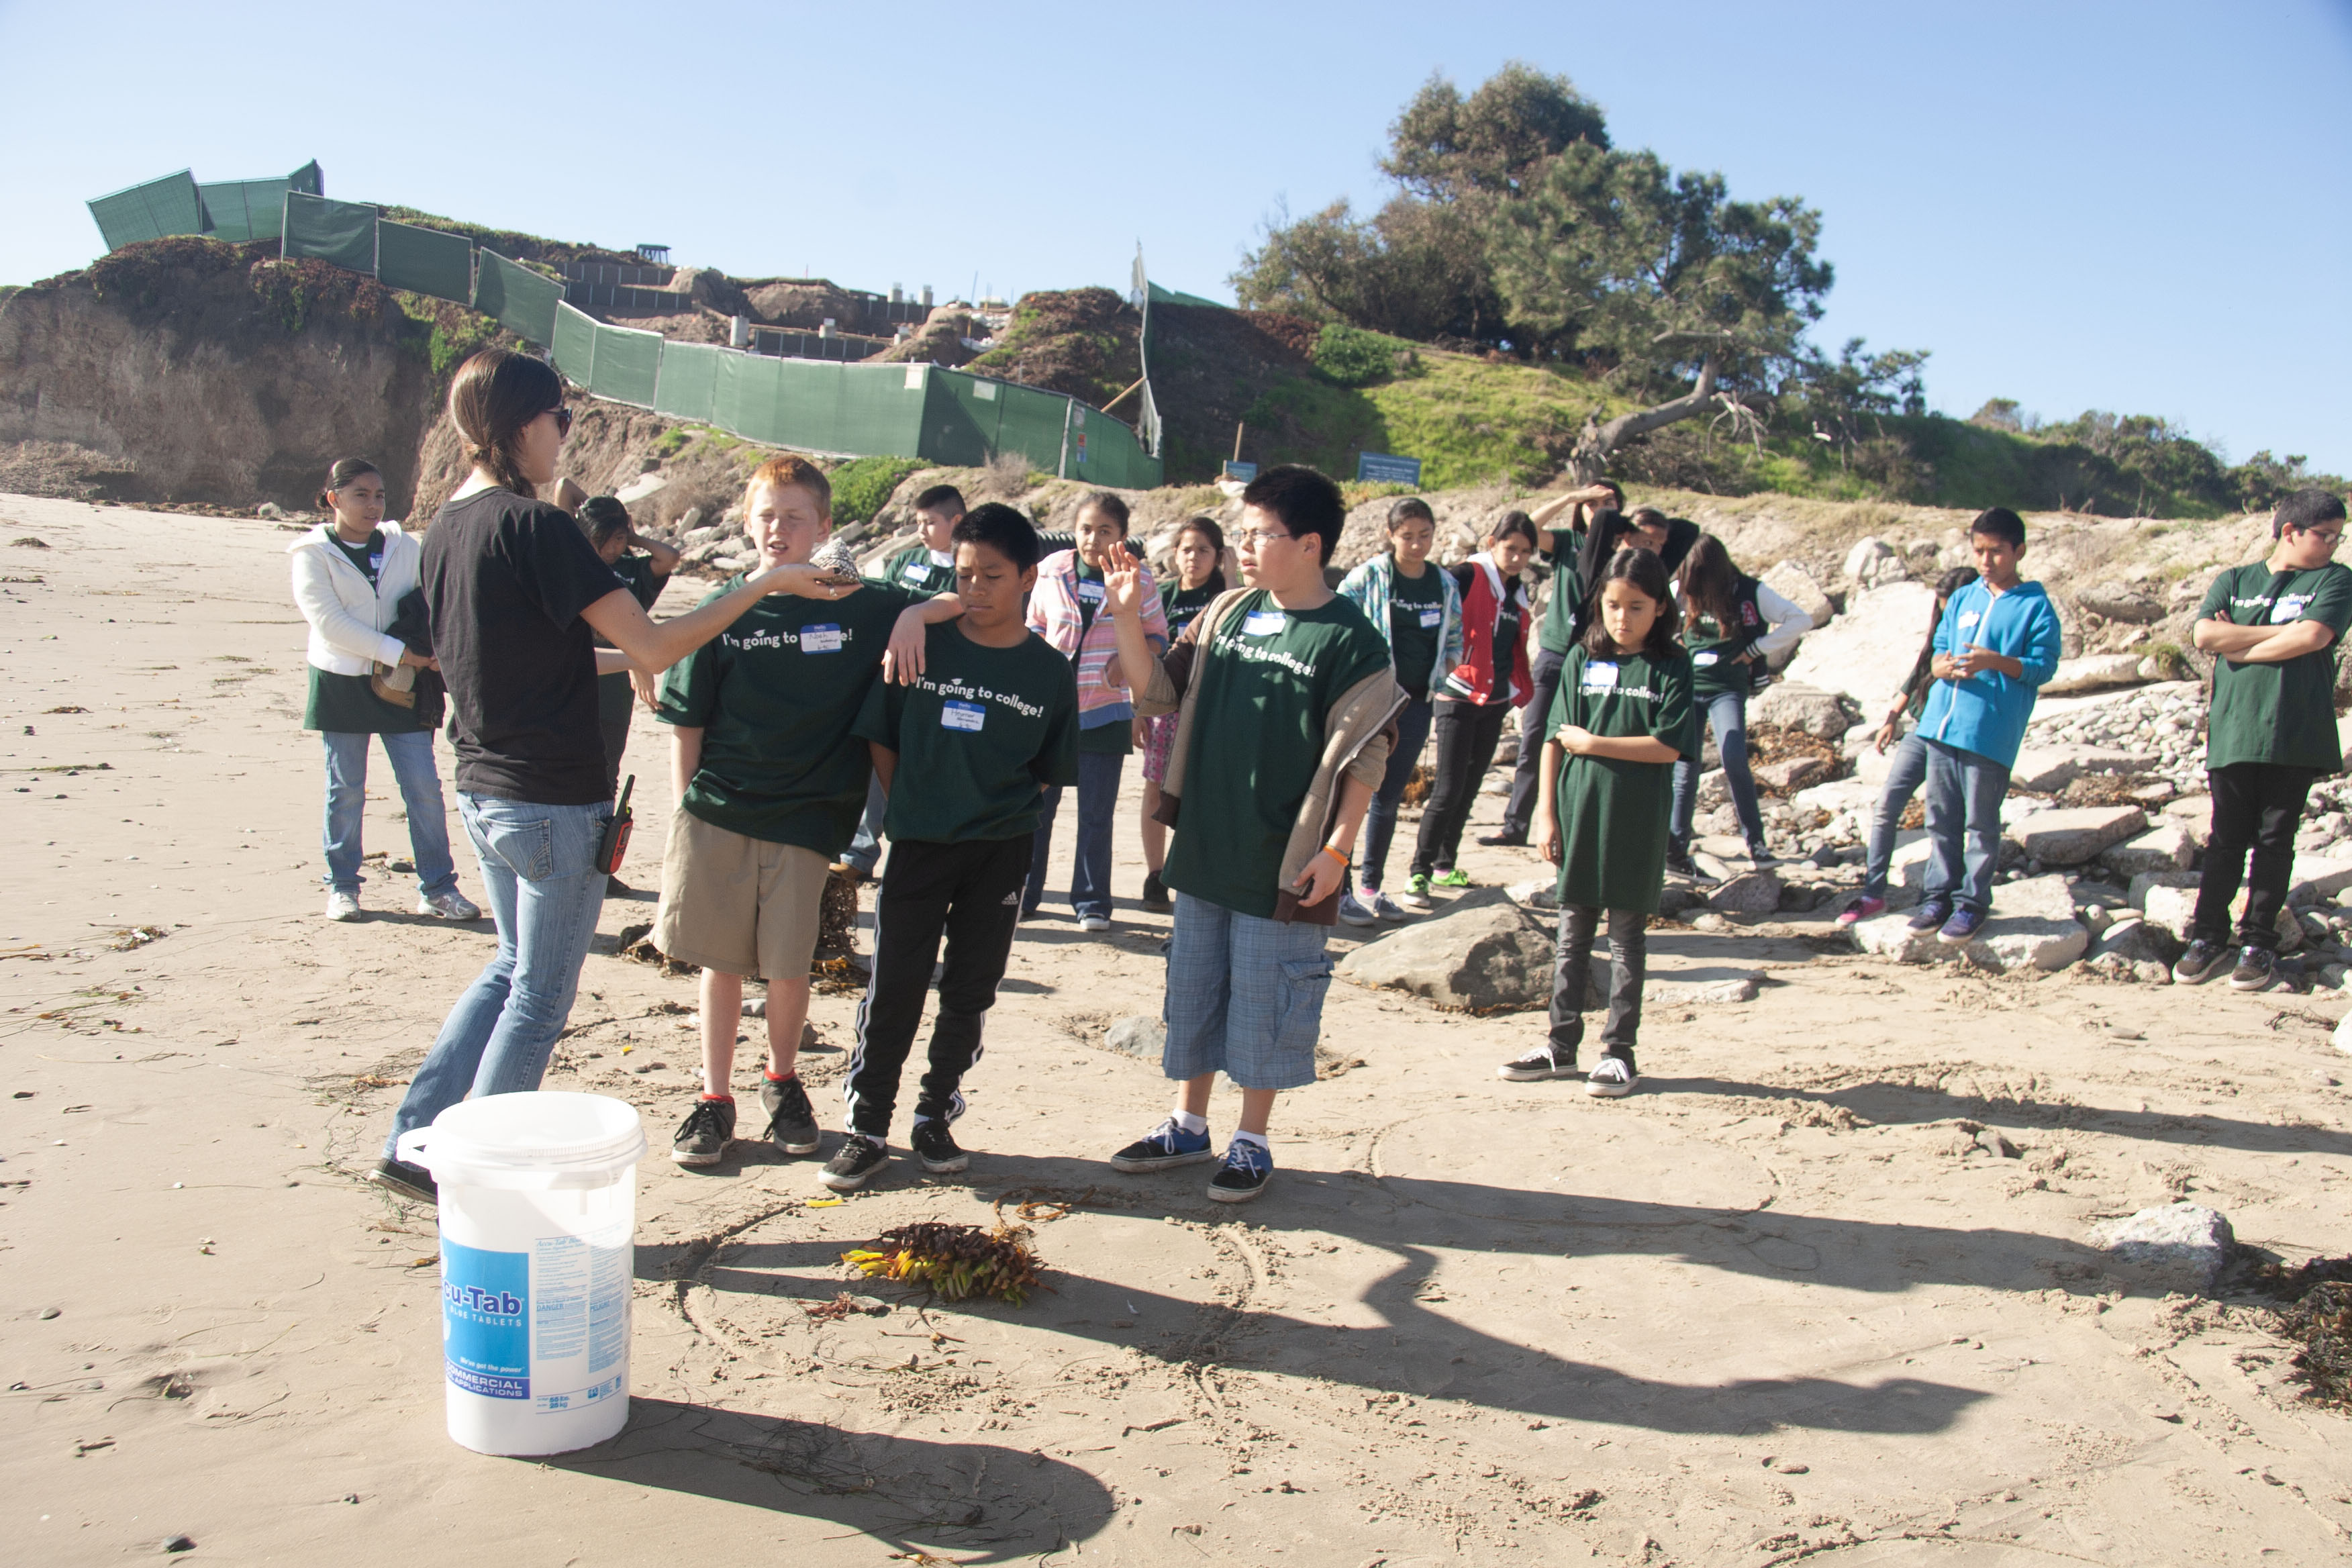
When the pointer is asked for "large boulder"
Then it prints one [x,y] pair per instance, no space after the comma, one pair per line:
[1786,777]
[1493,955]
[2119,602]
[2129,943]
[2093,672]
[1841,795]
[1754,892]
[2051,766]
[2167,846]
[2032,926]
[1873,562]
[1793,705]
[1796,584]
[2317,878]
[2184,1246]
[1866,652]
[2074,836]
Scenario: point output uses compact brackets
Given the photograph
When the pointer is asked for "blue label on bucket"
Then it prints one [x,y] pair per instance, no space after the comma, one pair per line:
[485,1322]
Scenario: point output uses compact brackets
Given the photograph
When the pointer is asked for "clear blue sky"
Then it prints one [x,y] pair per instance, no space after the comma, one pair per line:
[2140,207]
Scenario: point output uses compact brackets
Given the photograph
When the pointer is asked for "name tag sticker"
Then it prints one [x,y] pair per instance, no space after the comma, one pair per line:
[820,639]
[1263,623]
[1431,617]
[2290,607]
[1705,657]
[1601,677]
[1968,620]
[962,716]
[916,574]
[1087,590]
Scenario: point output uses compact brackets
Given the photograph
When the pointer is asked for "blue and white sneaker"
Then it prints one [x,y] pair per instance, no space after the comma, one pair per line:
[1962,927]
[1248,1167]
[1164,1146]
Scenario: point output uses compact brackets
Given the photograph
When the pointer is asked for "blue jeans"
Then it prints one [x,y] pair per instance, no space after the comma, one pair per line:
[1090,871]
[1903,776]
[1964,796]
[1728,712]
[866,846]
[1412,722]
[420,792]
[539,880]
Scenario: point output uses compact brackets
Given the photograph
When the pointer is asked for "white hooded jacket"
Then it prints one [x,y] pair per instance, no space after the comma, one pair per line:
[348,617]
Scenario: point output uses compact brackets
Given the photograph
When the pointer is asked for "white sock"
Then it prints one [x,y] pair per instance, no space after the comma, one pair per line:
[1188,1122]
[1256,1138]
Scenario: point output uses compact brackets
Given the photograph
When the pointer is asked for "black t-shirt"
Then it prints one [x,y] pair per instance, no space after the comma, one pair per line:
[506,579]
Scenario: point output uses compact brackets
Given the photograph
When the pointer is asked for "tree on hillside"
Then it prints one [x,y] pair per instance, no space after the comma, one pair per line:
[1419,267]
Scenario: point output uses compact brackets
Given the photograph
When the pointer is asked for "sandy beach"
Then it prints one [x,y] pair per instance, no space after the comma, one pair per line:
[1783,1304]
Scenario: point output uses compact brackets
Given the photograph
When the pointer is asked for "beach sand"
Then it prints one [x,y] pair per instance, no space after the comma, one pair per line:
[1777,1305]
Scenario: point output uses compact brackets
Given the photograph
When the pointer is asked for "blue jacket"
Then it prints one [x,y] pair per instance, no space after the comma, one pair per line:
[1987,713]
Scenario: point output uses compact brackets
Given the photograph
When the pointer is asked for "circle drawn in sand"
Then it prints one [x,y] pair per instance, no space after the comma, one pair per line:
[1600,1170]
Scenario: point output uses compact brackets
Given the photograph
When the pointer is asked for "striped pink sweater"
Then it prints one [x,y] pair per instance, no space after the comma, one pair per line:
[1054,616]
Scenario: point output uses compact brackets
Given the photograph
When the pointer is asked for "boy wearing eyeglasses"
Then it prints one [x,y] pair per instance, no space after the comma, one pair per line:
[1285,700]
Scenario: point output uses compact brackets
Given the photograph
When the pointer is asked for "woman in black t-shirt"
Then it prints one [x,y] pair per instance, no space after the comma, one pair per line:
[518,597]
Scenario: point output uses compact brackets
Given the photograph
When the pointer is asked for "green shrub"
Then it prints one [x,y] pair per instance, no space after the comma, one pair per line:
[862,485]
[1353,357]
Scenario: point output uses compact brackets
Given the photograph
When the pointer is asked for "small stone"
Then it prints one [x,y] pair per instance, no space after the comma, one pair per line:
[1992,1143]
[50,1312]
[181,1543]
[1138,1035]
[1754,892]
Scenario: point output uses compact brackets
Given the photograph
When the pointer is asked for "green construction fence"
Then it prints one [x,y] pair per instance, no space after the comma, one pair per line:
[237,210]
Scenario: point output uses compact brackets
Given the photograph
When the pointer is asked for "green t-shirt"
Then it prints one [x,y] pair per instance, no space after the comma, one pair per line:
[775,695]
[1612,814]
[1266,684]
[367,555]
[918,571]
[636,574]
[976,736]
[347,705]
[1558,629]
[2279,713]
[1180,604]
[1416,616]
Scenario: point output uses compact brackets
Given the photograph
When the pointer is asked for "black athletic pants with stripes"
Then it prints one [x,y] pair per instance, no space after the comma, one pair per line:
[971,892]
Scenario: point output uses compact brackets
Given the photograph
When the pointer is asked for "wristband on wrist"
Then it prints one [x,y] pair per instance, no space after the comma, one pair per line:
[1332,851]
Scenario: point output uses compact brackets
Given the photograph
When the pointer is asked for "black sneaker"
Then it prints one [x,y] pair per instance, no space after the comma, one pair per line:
[1248,1167]
[792,1120]
[1931,914]
[1680,864]
[703,1136]
[1505,839]
[1760,853]
[1165,1145]
[855,1162]
[1155,891]
[1538,1064]
[406,1180]
[2257,969]
[2199,963]
[935,1146]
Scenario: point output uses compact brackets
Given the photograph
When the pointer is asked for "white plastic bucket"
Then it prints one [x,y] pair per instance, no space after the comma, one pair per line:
[539,1198]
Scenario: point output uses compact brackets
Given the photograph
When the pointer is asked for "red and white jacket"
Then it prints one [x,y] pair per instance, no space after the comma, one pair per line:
[1483,596]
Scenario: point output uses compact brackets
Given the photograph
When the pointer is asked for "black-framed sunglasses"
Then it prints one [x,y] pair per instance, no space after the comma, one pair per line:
[563,422]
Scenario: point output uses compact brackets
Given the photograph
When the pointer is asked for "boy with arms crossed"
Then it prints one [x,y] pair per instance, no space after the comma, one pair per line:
[963,755]
[2273,626]
[1286,701]
[769,788]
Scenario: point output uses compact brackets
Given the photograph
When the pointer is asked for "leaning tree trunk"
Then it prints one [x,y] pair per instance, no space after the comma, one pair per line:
[1589,461]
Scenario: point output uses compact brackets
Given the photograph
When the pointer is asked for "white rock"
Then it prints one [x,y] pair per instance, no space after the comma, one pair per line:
[2343,1036]
[2171,908]
[1535,893]
[2048,767]
[2074,834]
[2315,880]
[1891,936]
[1796,584]
[1713,992]
[2187,1243]
[2167,846]
[1869,553]
[1867,652]
[1795,705]
[2032,926]
[2092,671]
[1843,795]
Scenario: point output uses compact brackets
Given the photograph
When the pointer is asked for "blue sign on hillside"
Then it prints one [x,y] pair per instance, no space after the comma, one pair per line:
[1383,469]
[1245,472]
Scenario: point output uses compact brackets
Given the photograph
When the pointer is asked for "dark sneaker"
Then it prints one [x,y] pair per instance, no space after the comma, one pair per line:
[2257,969]
[1155,891]
[1247,1168]
[1930,915]
[1962,927]
[1860,908]
[936,1147]
[1165,1145]
[854,1163]
[2201,962]
[1505,840]
[703,1137]
[413,1182]
[1538,1063]
[1760,853]
[1612,1078]
[1679,862]
[792,1120]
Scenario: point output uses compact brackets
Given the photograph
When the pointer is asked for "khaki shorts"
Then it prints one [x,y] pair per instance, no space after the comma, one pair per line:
[738,905]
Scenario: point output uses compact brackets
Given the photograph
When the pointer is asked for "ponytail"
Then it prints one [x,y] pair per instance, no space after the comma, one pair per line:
[345,470]
[497,392]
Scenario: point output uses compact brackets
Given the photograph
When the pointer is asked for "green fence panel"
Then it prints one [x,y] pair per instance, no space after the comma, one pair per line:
[573,347]
[523,302]
[424,261]
[1031,423]
[628,364]
[1109,454]
[746,397]
[959,417]
[256,209]
[689,380]
[153,211]
[340,232]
